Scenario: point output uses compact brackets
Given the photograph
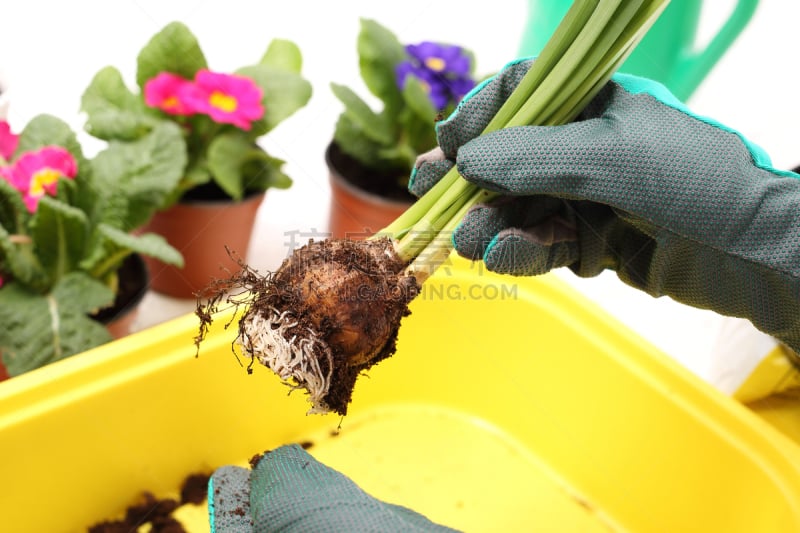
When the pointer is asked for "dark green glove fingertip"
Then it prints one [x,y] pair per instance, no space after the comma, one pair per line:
[229,500]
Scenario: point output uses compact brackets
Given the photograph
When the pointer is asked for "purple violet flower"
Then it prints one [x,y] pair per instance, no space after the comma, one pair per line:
[445,59]
[443,70]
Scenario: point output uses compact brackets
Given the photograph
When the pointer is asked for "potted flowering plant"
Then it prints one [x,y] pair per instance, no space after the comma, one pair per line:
[65,241]
[221,116]
[373,151]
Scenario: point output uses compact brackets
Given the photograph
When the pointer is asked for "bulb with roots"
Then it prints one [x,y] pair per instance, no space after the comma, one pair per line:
[331,311]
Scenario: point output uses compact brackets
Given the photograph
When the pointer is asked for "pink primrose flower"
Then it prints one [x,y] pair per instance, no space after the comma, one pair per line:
[8,141]
[35,174]
[170,93]
[228,98]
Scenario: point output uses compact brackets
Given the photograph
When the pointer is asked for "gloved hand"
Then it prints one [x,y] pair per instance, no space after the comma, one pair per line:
[676,204]
[288,490]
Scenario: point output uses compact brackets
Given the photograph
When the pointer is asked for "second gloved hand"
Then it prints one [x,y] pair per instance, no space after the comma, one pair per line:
[288,490]
[676,204]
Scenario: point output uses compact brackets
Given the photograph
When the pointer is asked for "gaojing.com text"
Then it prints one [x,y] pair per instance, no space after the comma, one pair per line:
[441,290]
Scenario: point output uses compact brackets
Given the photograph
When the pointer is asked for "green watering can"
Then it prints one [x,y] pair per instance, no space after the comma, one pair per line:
[666,53]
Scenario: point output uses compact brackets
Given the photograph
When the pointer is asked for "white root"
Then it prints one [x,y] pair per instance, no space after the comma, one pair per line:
[295,361]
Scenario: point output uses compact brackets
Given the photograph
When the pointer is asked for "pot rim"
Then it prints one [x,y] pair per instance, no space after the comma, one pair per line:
[337,176]
[252,196]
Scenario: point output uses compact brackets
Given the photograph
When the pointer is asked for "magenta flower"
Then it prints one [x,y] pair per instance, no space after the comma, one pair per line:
[227,98]
[170,93]
[8,141]
[35,174]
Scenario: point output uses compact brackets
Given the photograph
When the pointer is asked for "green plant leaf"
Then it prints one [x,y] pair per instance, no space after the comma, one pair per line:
[59,232]
[197,173]
[41,329]
[402,156]
[174,49]
[418,100]
[113,111]
[263,172]
[111,246]
[238,165]
[67,191]
[156,246]
[283,54]
[13,213]
[227,155]
[418,122]
[376,127]
[284,93]
[352,141]
[79,294]
[22,263]
[379,53]
[47,130]
[134,179]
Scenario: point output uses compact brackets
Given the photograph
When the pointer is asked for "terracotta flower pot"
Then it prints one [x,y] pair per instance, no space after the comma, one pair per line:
[201,230]
[133,284]
[356,212]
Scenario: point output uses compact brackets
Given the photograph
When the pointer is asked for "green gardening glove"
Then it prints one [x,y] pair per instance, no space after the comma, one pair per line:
[288,490]
[676,204]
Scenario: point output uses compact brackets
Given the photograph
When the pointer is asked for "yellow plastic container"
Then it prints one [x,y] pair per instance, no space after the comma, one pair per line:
[511,405]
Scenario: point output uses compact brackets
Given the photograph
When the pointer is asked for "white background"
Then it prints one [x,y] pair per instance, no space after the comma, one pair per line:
[49,51]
